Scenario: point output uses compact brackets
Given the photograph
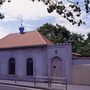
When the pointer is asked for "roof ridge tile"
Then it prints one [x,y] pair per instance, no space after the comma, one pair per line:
[41,37]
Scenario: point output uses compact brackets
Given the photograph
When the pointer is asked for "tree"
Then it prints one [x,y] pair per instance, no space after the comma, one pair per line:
[87,41]
[59,34]
[88,36]
[77,41]
[85,50]
[60,8]
[63,11]
[56,34]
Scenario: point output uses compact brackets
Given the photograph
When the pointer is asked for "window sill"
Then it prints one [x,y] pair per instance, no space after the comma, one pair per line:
[11,75]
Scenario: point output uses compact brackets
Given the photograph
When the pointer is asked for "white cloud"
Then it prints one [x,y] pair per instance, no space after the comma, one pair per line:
[25,9]
[28,10]
[3,32]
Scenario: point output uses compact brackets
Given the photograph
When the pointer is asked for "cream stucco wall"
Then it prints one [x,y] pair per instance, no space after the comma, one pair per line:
[81,72]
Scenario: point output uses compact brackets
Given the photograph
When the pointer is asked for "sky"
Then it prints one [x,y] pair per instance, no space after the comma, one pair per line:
[34,15]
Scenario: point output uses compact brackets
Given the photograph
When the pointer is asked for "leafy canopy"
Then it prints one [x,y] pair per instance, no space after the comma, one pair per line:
[56,34]
[59,34]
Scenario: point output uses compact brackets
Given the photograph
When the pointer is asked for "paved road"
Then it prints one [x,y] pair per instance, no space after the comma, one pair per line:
[58,86]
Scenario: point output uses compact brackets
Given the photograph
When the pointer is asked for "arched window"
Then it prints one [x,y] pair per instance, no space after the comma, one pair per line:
[11,66]
[29,67]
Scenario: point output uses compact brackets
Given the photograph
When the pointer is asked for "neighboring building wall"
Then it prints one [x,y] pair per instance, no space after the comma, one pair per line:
[81,71]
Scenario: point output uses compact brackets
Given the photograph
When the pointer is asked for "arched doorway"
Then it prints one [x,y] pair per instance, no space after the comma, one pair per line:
[56,67]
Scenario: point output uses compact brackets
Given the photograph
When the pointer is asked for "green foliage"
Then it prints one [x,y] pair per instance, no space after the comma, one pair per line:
[80,45]
[77,41]
[88,36]
[70,13]
[62,10]
[59,34]
[56,34]
[84,50]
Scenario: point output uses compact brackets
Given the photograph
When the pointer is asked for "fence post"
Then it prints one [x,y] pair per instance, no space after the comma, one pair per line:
[49,82]
[66,83]
[34,81]
[15,79]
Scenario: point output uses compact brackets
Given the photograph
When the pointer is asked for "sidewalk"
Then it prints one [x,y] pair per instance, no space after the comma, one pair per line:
[57,86]
[78,87]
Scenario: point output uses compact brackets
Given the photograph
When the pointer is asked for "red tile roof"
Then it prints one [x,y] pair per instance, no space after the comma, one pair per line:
[32,38]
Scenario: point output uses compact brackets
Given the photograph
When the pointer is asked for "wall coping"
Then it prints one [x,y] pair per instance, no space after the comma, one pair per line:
[60,45]
[81,58]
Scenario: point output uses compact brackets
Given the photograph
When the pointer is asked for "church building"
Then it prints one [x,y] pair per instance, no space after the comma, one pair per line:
[25,55]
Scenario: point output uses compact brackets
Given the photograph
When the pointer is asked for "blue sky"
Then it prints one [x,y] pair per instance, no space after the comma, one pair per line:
[34,15]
